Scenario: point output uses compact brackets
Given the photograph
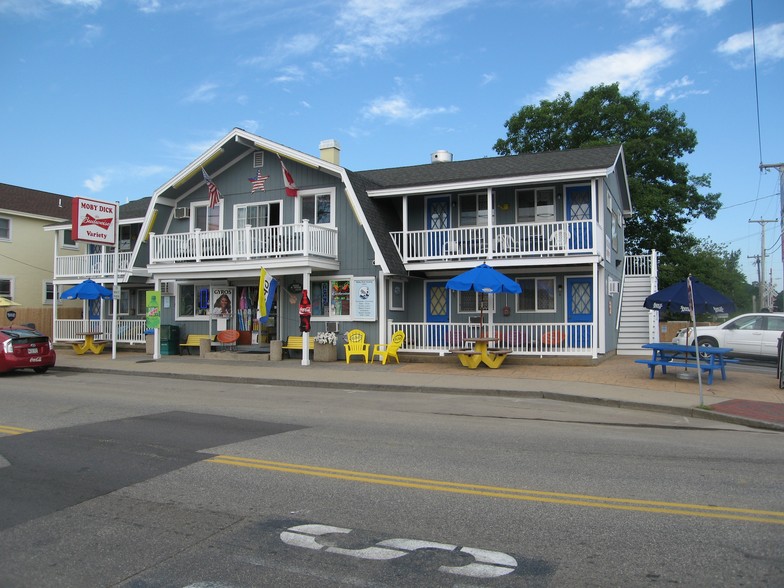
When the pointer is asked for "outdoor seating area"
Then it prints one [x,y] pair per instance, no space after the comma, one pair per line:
[89,343]
[670,355]
[481,353]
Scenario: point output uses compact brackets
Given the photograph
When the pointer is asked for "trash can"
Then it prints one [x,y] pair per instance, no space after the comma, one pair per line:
[170,340]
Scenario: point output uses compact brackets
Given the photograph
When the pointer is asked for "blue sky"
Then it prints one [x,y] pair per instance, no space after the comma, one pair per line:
[109,100]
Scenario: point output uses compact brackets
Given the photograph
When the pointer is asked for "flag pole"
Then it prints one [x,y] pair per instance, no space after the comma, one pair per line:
[696,344]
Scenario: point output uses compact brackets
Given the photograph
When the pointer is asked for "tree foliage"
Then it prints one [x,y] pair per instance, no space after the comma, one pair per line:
[665,196]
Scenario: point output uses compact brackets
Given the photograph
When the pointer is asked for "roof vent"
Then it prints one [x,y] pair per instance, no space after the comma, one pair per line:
[440,156]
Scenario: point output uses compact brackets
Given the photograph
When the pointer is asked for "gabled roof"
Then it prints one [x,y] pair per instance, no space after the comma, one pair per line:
[35,202]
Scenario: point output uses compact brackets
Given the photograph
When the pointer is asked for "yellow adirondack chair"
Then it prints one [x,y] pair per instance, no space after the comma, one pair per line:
[387,350]
[356,345]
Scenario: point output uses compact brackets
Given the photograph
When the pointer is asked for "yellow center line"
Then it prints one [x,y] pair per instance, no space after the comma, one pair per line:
[627,504]
[6,430]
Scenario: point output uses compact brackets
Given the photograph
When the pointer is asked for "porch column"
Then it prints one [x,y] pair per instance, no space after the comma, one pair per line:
[55,291]
[306,336]
[490,211]
[599,307]
[405,229]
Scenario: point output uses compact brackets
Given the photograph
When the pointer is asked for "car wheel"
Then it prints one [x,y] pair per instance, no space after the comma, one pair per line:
[41,370]
[706,342]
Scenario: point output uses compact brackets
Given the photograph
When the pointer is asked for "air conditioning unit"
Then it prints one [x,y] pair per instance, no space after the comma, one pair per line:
[613,287]
[167,288]
[332,327]
[182,212]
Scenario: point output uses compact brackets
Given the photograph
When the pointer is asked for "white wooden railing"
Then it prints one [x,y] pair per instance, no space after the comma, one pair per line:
[524,239]
[91,265]
[522,338]
[128,330]
[299,239]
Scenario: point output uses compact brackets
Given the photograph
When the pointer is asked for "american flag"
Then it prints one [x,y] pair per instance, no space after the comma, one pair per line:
[215,194]
[257,183]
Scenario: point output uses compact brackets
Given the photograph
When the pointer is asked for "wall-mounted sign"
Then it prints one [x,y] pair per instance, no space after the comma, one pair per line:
[295,287]
[363,299]
[94,221]
[153,314]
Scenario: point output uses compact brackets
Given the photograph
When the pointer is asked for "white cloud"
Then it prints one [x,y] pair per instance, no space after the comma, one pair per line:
[37,8]
[148,6]
[706,6]
[96,183]
[204,93]
[487,78]
[398,108]
[290,48]
[634,67]
[370,27]
[676,90]
[90,34]
[769,40]
[291,73]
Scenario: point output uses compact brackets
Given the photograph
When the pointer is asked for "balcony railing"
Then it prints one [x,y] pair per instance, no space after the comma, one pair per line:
[522,338]
[91,265]
[524,239]
[300,239]
[128,330]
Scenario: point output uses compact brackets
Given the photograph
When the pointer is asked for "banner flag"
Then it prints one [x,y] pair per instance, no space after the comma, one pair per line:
[267,286]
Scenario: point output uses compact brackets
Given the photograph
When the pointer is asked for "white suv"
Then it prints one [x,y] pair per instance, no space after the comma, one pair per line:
[752,335]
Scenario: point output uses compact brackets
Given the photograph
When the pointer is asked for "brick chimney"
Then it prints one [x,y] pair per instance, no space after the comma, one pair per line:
[330,151]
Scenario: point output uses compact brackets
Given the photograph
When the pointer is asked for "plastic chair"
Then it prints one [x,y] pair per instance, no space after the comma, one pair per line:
[228,338]
[559,239]
[387,350]
[356,345]
[505,244]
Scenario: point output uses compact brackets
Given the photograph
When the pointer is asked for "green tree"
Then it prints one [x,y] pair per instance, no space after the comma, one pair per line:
[665,196]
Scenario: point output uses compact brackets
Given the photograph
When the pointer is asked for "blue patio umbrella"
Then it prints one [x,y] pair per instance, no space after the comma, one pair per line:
[485,280]
[675,299]
[87,290]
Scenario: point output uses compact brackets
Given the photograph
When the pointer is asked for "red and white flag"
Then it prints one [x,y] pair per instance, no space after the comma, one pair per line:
[215,194]
[291,187]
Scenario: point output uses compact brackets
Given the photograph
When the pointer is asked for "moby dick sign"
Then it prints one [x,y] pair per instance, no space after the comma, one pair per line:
[94,221]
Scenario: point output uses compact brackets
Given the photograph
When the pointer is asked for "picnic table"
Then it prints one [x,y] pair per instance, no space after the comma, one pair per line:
[666,355]
[481,352]
[89,343]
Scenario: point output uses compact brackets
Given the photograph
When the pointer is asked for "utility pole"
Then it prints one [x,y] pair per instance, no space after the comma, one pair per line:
[761,280]
[780,168]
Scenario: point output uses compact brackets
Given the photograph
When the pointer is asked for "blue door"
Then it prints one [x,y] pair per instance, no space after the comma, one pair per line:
[436,313]
[437,218]
[578,208]
[579,311]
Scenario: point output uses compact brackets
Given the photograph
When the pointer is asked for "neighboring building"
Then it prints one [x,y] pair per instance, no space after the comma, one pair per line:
[374,249]
[26,258]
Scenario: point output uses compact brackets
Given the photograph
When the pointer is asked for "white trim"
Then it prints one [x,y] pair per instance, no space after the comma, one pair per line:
[581,175]
[315,192]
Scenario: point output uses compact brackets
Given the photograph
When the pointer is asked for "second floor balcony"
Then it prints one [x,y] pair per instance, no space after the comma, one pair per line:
[498,241]
[299,239]
[91,265]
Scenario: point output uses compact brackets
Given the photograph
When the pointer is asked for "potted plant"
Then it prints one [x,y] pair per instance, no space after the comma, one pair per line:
[325,347]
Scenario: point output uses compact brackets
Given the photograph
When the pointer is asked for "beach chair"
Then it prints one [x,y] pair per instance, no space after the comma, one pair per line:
[387,350]
[356,345]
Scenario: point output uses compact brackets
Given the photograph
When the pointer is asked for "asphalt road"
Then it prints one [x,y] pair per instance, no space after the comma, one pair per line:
[141,482]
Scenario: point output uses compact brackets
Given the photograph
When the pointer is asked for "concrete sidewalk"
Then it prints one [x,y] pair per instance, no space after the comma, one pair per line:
[746,397]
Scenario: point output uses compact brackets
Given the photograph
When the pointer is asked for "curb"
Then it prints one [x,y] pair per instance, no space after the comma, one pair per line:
[693,412]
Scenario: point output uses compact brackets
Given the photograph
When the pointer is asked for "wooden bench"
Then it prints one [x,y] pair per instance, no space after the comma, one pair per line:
[195,341]
[495,351]
[704,366]
[294,343]
[466,351]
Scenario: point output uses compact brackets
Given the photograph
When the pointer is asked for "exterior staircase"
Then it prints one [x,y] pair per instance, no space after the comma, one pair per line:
[637,325]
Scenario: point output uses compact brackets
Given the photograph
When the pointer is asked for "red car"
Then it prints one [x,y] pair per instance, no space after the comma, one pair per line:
[21,347]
